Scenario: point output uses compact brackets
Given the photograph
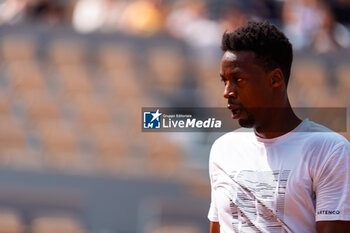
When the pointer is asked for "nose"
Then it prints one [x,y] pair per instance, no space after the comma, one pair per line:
[230,91]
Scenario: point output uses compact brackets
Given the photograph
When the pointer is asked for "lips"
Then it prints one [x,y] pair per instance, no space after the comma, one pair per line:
[235,109]
[236,113]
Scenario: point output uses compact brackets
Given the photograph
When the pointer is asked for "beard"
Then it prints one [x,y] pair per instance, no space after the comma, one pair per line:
[248,122]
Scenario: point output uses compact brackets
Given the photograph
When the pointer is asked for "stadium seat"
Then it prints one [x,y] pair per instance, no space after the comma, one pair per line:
[60,145]
[164,155]
[12,141]
[127,116]
[56,224]
[309,85]
[115,58]
[197,185]
[118,67]
[126,87]
[111,150]
[26,76]
[67,52]
[41,110]
[10,222]
[75,82]
[17,48]
[343,84]
[92,113]
[167,68]
[209,86]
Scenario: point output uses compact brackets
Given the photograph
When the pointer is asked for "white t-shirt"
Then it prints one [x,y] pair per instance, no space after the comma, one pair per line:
[284,184]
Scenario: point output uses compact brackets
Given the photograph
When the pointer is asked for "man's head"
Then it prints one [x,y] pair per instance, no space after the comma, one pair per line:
[271,47]
[255,69]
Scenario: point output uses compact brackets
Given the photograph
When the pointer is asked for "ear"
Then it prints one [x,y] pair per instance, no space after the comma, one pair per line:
[276,78]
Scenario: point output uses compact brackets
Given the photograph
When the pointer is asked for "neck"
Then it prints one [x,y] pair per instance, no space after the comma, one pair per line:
[279,122]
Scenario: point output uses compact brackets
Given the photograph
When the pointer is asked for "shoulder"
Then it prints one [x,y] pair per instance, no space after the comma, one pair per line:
[324,146]
[321,136]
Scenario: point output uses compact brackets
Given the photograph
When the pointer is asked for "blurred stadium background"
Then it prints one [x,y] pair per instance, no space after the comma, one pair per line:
[74,75]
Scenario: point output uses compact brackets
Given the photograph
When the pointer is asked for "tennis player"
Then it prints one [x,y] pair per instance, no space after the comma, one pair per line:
[286,174]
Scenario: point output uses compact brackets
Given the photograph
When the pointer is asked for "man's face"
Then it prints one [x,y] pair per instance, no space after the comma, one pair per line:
[247,88]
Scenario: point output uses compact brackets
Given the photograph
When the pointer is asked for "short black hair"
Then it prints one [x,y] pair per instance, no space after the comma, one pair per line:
[272,48]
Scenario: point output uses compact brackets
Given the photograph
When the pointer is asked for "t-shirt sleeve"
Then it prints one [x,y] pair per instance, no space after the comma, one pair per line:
[333,186]
[213,212]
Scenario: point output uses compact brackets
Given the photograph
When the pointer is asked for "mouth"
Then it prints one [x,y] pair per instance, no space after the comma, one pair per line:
[236,110]
[236,113]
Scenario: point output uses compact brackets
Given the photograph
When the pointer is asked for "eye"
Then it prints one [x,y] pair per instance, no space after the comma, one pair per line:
[224,80]
[238,80]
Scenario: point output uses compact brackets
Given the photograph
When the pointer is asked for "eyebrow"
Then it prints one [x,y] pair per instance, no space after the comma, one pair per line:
[233,73]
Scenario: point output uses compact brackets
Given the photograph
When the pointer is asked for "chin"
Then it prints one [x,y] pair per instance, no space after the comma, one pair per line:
[247,123]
